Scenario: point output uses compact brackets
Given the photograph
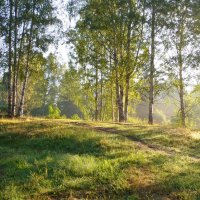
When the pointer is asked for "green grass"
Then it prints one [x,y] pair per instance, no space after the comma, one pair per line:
[61,159]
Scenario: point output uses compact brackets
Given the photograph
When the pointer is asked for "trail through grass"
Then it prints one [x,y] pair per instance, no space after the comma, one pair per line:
[62,159]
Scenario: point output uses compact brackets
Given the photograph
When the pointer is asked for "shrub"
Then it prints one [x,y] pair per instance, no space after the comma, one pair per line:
[136,120]
[54,112]
[75,117]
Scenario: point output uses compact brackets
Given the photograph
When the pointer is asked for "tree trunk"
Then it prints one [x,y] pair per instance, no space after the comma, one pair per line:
[21,106]
[126,98]
[112,105]
[179,47]
[111,91]
[152,67]
[96,95]
[129,70]
[15,64]
[18,63]
[117,95]
[121,104]
[119,98]
[101,100]
[119,89]
[182,105]
[181,88]
[10,62]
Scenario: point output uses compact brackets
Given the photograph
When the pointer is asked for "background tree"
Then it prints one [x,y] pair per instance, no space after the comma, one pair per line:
[26,36]
[182,50]
[118,33]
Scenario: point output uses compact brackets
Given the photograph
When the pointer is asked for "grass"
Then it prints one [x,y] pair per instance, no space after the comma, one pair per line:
[62,159]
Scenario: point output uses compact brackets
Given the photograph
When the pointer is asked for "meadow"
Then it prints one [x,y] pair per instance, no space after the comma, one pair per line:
[43,159]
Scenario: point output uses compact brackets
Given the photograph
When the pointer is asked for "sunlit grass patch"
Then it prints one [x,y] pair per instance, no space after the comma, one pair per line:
[195,135]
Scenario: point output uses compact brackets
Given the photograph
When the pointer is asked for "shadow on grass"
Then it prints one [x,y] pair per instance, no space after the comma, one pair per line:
[53,164]
[69,144]
[38,161]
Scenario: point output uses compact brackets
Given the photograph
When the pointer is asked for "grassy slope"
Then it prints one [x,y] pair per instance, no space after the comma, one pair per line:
[60,159]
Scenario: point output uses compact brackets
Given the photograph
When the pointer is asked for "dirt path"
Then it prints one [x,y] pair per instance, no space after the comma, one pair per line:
[140,143]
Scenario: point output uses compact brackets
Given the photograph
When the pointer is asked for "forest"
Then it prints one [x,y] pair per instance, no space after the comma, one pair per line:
[100,99]
[126,60]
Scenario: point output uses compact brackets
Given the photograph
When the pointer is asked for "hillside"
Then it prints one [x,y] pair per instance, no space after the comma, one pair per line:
[63,159]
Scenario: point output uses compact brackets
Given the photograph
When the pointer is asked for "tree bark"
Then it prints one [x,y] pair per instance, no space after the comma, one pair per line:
[101,99]
[21,105]
[126,98]
[15,64]
[179,47]
[181,95]
[152,67]
[119,88]
[119,98]
[117,95]
[18,63]
[96,95]
[121,104]
[22,100]
[112,105]
[10,61]
[181,85]
[111,91]
[129,70]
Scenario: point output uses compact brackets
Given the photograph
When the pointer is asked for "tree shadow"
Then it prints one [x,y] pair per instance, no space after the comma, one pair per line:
[24,157]
[68,144]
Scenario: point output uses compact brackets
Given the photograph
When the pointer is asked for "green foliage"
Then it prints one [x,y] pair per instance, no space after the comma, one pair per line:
[138,121]
[75,117]
[190,122]
[43,88]
[54,112]
[24,58]
[109,57]
[3,108]
[176,121]
[108,50]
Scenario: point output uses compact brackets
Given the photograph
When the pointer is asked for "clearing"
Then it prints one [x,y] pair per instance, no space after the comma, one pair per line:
[62,159]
